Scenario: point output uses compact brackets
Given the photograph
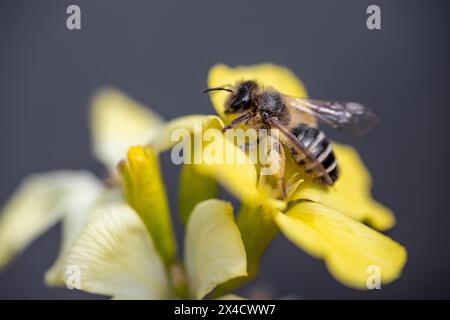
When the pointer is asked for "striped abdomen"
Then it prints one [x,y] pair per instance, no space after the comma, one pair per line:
[323,165]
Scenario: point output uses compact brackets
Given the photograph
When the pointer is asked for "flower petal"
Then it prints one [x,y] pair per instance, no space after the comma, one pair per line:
[145,192]
[214,252]
[258,230]
[168,136]
[223,161]
[348,247]
[40,201]
[74,222]
[117,123]
[351,194]
[116,257]
[239,177]
[220,162]
[266,74]
[194,188]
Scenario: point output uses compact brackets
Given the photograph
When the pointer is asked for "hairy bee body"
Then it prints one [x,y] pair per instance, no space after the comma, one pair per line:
[320,147]
[322,164]
[297,119]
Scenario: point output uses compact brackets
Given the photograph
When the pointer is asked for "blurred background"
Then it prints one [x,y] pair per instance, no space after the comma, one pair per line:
[159,53]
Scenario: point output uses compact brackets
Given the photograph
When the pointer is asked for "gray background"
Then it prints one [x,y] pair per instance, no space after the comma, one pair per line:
[160,52]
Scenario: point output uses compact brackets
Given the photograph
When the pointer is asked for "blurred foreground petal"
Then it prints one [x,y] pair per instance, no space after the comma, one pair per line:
[118,122]
[73,224]
[40,201]
[214,252]
[116,257]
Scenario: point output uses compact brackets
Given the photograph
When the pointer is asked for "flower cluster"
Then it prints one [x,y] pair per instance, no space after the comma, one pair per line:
[119,233]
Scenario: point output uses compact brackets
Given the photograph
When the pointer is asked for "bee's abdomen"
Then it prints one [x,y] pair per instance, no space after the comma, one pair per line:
[324,167]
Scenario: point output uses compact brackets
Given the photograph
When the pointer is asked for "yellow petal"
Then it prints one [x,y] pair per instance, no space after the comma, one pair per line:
[239,178]
[176,129]
[214,252]
[117,123]
[145,192]
[349,248]
[266,74]
[41,201]
[194,188]
[258,230]
[352,192]
[230,166]
[114,256]
[74,222]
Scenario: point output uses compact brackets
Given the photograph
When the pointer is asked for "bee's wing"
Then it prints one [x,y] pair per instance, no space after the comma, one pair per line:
[350,117]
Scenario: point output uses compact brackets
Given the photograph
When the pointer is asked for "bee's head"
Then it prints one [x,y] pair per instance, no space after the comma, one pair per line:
[241,96]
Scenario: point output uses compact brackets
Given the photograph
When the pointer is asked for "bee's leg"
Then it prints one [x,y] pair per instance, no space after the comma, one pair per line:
[238,120]
[281,172]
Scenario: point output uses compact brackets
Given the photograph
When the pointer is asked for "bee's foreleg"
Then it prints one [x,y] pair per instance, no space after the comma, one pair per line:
[237,121]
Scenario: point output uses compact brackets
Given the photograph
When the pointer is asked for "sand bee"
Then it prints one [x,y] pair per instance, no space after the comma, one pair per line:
[297,119]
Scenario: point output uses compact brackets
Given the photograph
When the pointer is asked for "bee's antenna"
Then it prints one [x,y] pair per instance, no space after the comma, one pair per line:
[217,89]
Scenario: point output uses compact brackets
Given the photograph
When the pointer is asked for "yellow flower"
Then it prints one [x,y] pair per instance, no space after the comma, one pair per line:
[324,221]
[123,243]
[44,199]
[129,253]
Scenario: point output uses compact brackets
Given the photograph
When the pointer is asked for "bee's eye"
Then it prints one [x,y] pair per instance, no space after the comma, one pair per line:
[241,102]
[243,99]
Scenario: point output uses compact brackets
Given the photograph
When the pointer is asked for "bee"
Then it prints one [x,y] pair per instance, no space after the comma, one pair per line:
[297,121]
